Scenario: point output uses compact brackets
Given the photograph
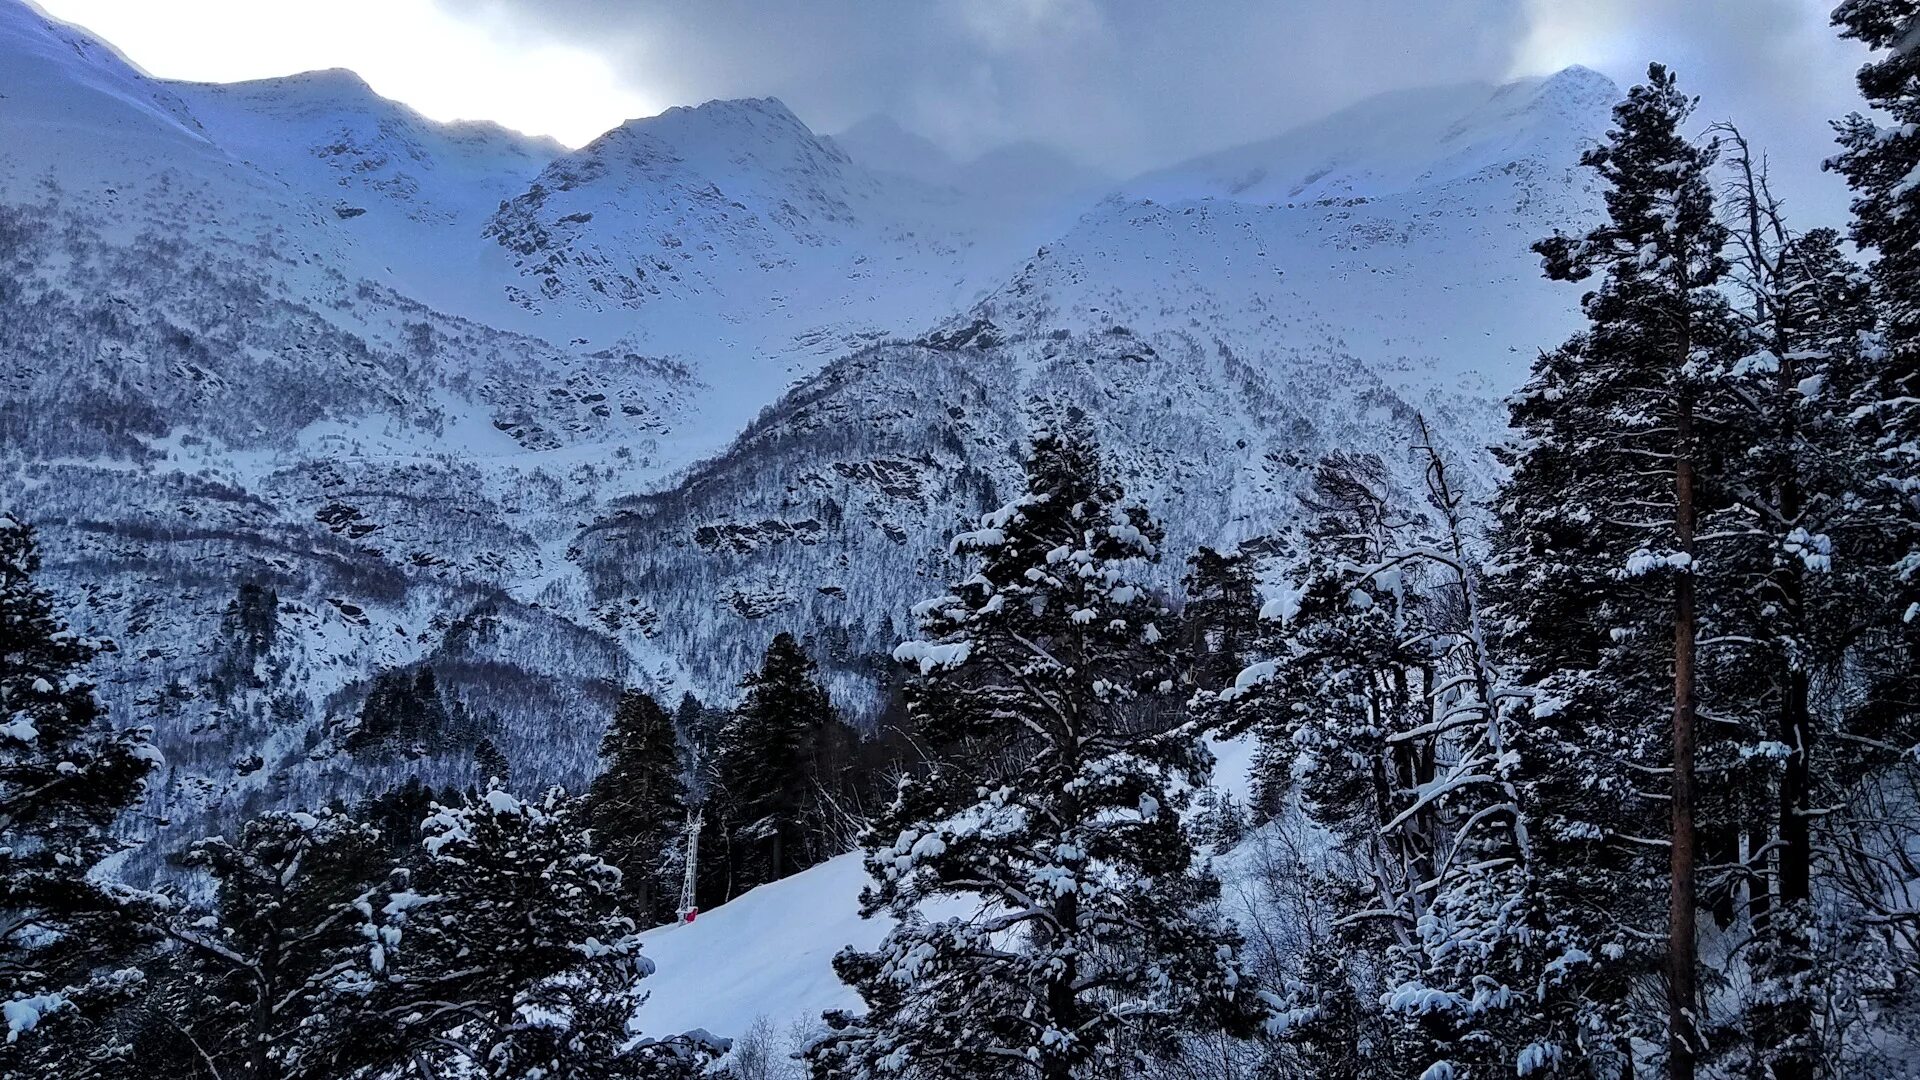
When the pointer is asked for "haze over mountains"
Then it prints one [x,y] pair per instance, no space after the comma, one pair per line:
[561,421]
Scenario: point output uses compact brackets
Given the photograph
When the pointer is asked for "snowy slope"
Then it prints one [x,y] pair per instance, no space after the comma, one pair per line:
[1402,141]
[768,955]
[62,87]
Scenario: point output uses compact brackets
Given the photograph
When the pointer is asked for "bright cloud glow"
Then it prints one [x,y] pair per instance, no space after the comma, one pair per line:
[409,50]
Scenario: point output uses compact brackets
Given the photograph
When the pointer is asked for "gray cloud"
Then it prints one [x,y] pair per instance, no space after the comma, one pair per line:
[1121,83]
[1773,67]
[1128,84]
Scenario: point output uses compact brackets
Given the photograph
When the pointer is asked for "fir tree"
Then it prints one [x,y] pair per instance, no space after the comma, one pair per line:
[636,804]
[1222,614]
[65,775]
[258,970]
[770,761]
[1095,940]
[1600,552]
[505,954]
[1380,707]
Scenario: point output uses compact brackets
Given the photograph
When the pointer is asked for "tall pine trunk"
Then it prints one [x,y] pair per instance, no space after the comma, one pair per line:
[1680,904]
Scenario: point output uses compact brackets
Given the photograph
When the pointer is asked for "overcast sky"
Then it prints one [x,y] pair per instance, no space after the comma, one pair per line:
[1121,84]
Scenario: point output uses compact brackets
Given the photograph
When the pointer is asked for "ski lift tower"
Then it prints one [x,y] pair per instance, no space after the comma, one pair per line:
[688,906]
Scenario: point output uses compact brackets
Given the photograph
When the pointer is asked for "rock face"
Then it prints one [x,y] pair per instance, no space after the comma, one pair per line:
[552,423]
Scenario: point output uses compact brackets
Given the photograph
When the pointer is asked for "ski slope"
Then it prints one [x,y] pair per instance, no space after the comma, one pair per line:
[768,955]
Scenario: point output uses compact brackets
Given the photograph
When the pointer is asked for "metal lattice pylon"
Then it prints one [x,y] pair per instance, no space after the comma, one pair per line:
[687,907]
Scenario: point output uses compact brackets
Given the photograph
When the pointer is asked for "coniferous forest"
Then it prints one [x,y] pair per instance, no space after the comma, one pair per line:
[1600,763]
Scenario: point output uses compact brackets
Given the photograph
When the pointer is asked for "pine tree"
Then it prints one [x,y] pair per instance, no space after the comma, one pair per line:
[1599,550]
[770,759]
[1879,163]
[397,814]
[506,954]
[249,627]
[1811,531]
[1379,706]
[1095,939]
[258,969]
[404,715]
[636,804]
[1222,614]
[65,775]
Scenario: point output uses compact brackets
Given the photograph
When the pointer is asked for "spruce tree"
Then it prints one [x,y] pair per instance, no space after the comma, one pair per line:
[769,761]
[636,804]
[1222,614]
[505,952]
[1090,937]
[1600,557]
[1381,714]
[65,775]
[259,969]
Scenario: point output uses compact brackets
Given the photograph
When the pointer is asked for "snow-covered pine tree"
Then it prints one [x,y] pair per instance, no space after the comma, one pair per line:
[65,774]
[1379,705]
[1808,533]
[637,806]
[769,761]
[1879,163]
[253,997]
[1090,937]
[1599,559]
[506,953]
[1222,616]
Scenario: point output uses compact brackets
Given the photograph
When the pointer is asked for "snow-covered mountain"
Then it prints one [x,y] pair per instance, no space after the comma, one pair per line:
[1406,140]
[1220,344]
[555,422]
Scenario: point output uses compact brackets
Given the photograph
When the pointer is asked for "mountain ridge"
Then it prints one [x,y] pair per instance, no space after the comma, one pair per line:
[269,339]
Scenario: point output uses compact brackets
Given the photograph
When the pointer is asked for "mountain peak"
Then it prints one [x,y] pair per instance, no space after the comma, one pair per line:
[1578,86]
[719,136]
[718,111]
[1402,140]
[334,87]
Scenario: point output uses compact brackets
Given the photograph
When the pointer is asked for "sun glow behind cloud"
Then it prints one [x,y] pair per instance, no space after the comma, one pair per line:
[412,51]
